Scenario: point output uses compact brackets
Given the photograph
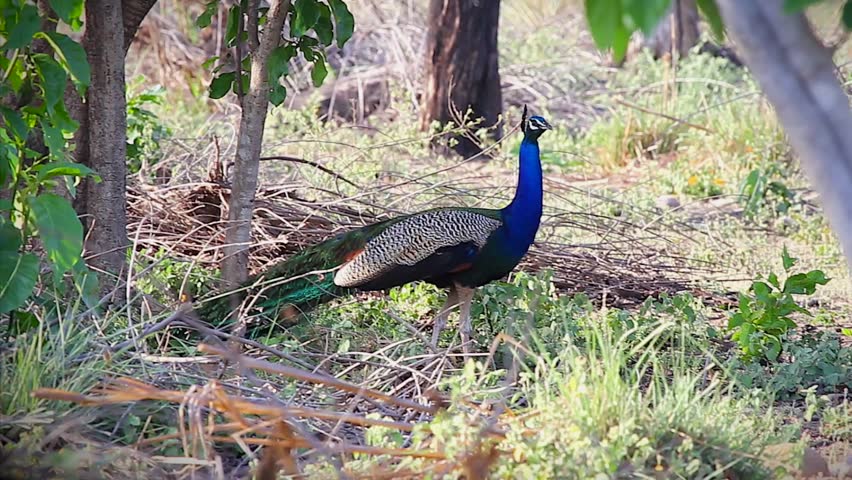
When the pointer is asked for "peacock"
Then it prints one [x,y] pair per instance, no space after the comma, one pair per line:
[455,248]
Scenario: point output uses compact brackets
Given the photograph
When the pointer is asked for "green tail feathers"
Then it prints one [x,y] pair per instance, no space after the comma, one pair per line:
[296,285]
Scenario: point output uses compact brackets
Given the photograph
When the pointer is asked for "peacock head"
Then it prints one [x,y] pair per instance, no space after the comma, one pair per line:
[534,126]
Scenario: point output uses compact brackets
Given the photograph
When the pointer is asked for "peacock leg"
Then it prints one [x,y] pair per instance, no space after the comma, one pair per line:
[443,314]
[465,296]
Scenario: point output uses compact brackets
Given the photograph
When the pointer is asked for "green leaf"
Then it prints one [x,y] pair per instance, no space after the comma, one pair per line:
[324,27]
[646,14]
[10,238]
[278,94]
[16,124]
[23,322]
[714,18]
[787,260]
[773,280]
[68,10]
[61,119]
[620,42]
[604,17]
[206,16]
[18,276]
[87,284]
[9,160]
[847,15]
[72,57]
[59,229]
[210,61]
[744,304]
[735,321]
[17,75]
[344,23]
[804,284]
[761,291]
[278,63]
[774,348]
[278,67]
[220,85]
[319,72]
[53,78]
[22,29]
[53,139]
[50,170]
[305,16]
[231,26]
[793,6]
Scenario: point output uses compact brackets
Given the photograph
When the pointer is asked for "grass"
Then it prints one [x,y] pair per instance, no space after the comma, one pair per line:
[656,390]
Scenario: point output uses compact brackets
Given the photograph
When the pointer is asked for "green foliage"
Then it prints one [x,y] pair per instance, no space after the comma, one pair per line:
[59,229]
[837,421]
[313,27]
[595,410]
[145,130]
[847,15]
[765,186]
[169,275]
[793,6]
[36,83]
[52,354]
[613,21]
[764,315]
[814,360]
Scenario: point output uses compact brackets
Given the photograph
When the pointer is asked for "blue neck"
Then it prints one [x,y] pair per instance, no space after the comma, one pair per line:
[522,217]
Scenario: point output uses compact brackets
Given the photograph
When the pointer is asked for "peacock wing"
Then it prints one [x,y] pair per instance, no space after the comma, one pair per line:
[419,246]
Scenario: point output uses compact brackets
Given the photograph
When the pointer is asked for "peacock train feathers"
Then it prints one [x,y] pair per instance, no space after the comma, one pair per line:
[456,248]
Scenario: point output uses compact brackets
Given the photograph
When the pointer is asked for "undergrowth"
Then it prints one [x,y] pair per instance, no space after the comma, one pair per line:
[654,391]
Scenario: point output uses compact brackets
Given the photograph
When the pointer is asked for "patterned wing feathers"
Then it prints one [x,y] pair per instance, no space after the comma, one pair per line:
[414,239]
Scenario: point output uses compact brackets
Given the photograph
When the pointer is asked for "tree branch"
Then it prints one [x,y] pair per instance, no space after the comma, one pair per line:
[246,161]
[253,41]
[133,12]
[797,74]
[238,54]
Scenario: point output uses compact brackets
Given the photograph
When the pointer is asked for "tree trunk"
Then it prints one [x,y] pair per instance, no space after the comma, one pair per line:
[676,32]
[107,127]
[100,141]
[462,67]
[798,76]
[247,159]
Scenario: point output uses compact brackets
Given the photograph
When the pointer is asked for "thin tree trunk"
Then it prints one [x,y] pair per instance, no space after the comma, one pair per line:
[462,67]
[798,76]
[107,127]
[247,159]
[677,32]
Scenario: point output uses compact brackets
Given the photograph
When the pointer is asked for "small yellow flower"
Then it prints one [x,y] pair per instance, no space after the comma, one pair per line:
[719,182]
[692,181]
